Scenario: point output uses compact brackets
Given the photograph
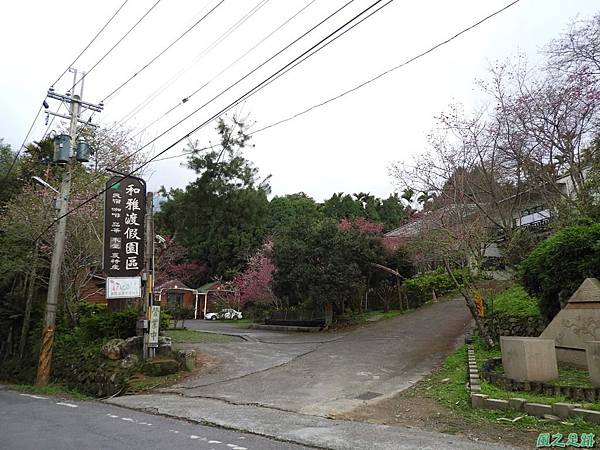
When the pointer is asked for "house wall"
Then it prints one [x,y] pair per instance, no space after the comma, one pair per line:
[93,294]
[188,300]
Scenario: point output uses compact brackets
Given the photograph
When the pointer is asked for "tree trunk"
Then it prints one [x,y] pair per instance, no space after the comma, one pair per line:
[399,293]
[470,304]
[29,302]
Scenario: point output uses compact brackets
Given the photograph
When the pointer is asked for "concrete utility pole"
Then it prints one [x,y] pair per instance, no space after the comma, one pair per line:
[148,301]
[43,371]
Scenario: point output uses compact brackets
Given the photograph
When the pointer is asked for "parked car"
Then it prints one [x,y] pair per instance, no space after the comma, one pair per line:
[227,314]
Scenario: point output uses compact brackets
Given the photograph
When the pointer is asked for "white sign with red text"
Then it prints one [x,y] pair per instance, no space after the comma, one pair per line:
[123,287]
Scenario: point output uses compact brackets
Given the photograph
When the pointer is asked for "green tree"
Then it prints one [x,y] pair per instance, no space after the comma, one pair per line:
[319,264]
[392,212]
[289,209]
[341,206]
[221,216]
[8,182]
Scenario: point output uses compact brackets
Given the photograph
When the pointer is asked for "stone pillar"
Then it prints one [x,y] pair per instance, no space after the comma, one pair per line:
[592,353]
[528,358]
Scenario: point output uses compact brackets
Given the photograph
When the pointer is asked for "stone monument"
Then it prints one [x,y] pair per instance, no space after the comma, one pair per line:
[529,358]
[577,323]
[592,351]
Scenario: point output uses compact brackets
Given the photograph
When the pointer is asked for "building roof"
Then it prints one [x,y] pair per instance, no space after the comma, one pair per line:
[212,286]
[172,284]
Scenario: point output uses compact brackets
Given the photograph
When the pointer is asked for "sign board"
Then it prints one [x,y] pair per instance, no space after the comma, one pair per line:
[124,212]
[154,326]
[130,287]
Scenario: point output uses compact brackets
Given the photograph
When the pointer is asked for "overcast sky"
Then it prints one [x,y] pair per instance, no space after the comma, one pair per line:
[346,146]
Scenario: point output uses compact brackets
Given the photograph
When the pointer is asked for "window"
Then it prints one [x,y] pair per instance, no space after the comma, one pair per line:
[175,298]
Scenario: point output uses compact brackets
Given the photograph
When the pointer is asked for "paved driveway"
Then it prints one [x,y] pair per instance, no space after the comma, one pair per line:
[327,373]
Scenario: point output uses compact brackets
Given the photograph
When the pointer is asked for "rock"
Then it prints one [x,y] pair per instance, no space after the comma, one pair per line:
[160,367]
[165,346]
[133,345]
[113,349]
[129,361]
[187,358]
[551,417]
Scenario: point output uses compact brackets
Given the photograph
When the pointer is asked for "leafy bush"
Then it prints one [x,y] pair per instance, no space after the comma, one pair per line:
[419,288]
[177,314]
[78,364]
[165,320]
[514,301]
[560,263]
[100,324]
[257,312]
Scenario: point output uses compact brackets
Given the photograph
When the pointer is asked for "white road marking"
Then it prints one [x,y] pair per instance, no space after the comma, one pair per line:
[240,448]
[127,419]
[193,436]
[113,416]
[174,431]
[70,405]
[231,445]
[214,442]
[34,396]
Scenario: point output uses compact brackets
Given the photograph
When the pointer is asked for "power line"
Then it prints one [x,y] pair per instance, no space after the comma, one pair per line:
[367,82]
[204,52]
[116,44]
[56,81]
[187,98]
[228,107]
[92,41]
[122,85]
[267,81]
[392,69]
[14,161]
[337,11]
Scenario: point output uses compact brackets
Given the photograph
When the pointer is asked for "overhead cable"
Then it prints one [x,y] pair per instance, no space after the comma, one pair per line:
[162,52]
[225,109]
[144,103]
[188,97]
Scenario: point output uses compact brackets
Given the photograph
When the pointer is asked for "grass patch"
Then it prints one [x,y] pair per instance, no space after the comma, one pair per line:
[449,387]
[191,336]
[514,301]
[240,323]
[51,390]
[141,383]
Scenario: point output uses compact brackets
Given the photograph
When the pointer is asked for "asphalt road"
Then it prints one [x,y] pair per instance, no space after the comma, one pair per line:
[327,373]
[43,422]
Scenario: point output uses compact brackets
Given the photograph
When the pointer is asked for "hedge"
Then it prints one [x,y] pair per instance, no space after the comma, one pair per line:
[419,288]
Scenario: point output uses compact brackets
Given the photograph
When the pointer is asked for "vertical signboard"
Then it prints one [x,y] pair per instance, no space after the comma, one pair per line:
[154,326]
[124,211]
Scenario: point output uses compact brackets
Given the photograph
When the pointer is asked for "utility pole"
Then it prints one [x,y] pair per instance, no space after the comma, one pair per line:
[76,103]
[148,301]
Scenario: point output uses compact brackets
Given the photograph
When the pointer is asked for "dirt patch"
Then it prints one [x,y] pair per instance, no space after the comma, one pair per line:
[411,409]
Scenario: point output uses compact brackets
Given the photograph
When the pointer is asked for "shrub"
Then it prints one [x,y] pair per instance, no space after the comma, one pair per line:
[101,324]
[177,314]
[78,364]
[514,301]
[560,263]
[165,320]
[419,288]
